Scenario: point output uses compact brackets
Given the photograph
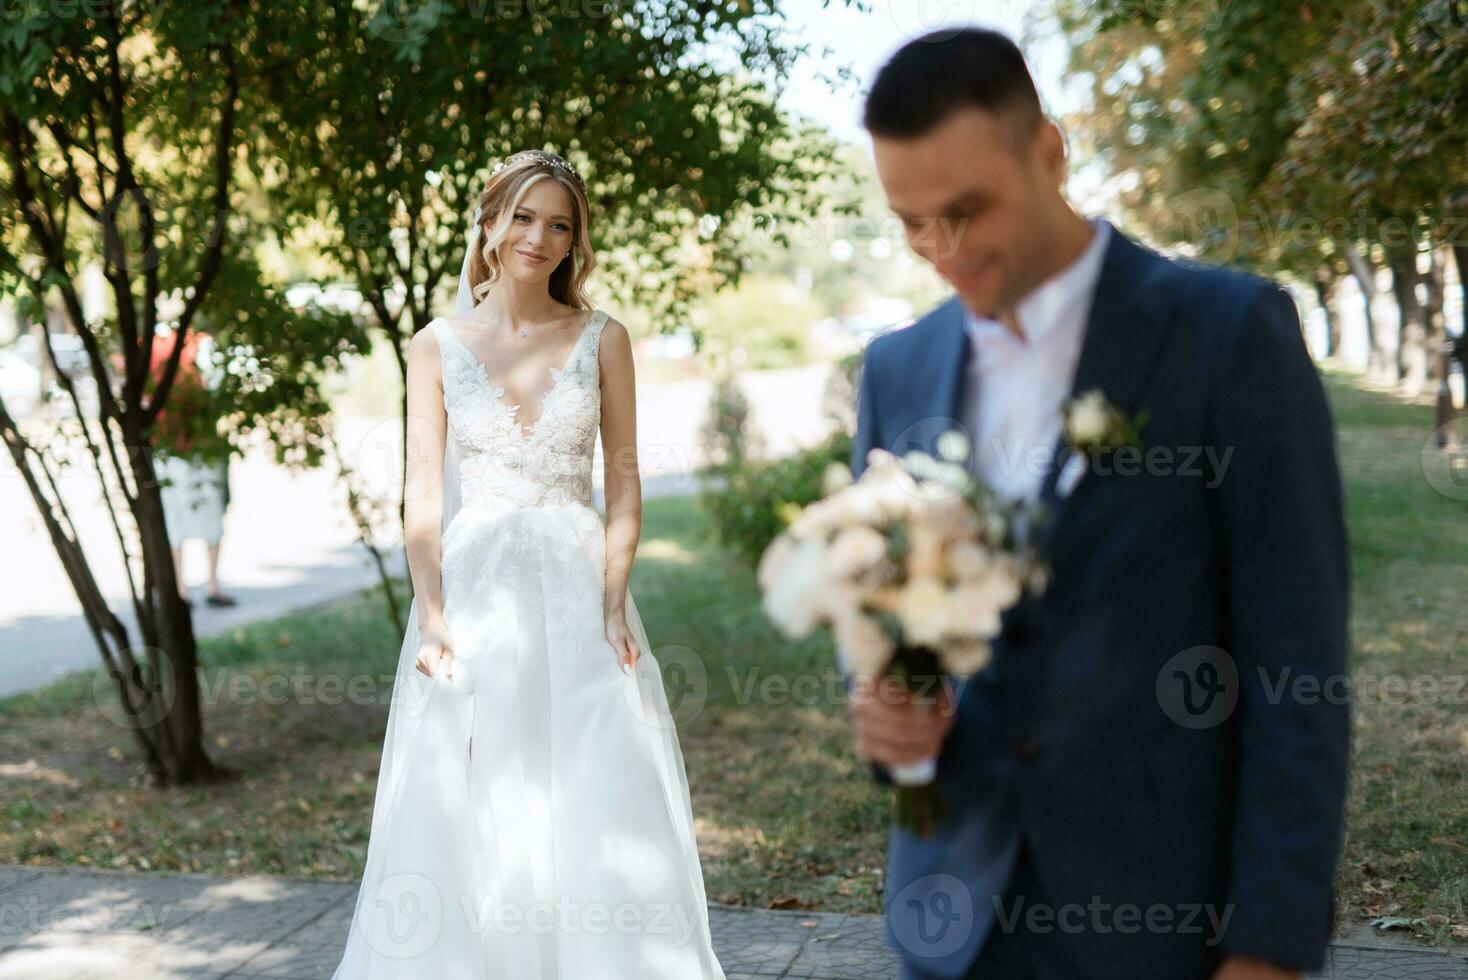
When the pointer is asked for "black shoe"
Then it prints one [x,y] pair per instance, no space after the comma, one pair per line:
[221,600]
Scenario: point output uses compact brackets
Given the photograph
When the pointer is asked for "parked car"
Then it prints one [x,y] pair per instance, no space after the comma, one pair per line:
[20,383]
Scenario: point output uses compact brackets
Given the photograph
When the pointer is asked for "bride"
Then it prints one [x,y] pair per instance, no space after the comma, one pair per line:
[532,817]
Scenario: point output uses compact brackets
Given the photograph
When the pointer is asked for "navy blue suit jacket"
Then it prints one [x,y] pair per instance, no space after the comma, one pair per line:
[1141,767]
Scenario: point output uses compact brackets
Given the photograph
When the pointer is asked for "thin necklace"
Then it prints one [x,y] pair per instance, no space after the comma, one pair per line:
[523,331]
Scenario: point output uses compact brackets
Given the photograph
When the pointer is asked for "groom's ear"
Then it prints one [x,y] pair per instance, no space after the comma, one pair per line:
[1049,153]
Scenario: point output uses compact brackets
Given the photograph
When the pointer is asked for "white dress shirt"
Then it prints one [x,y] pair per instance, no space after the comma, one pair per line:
[1015,389]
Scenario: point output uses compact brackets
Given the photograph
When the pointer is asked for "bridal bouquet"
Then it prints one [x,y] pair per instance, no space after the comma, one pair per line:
[911,567]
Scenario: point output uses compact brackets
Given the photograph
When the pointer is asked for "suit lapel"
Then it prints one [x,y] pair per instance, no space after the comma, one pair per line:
[1123,339]
[946,399]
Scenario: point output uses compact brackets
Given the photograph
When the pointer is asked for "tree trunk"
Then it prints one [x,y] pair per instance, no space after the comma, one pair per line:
[1412,349]
[1433,314]
[1328,295]
[1373,307]
[168,628]
[1460,256]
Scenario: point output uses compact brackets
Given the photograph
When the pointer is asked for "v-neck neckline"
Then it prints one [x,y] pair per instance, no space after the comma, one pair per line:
[497,392]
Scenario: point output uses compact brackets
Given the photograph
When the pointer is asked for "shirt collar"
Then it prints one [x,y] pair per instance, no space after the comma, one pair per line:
[1046,306]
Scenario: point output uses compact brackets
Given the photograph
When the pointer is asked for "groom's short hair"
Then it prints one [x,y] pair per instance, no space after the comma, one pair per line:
[931,77]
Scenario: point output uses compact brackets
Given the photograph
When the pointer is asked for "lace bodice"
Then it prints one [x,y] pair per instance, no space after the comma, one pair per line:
[503,464]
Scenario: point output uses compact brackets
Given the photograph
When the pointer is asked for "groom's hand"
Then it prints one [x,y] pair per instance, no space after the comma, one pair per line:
[893,725]
[1248,968]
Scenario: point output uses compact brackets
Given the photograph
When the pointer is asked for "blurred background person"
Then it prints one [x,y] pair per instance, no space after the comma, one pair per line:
[193,460]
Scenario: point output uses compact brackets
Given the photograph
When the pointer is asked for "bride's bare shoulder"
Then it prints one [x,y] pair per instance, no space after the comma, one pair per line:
[614,330]
[614,345]
[425,339]
[424,353]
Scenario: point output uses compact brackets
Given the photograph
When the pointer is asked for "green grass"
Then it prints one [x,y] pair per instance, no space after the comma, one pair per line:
[1406,848]
[787,815]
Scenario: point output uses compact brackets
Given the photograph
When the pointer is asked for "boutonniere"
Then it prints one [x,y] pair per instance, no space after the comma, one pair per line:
[1093,427]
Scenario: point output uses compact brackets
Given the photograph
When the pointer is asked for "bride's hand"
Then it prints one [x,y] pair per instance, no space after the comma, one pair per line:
[435,650]
[622,641]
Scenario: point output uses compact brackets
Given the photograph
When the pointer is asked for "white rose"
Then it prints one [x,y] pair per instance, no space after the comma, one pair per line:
[772,559]
[1004,581]
[953,445]
[978,603]
[965,659]
[841,599]
[896,500]
[967,559]
[862,504]
[952,517]
[817,518]
[863,644]
[836,476]
[921,610]
[854,550]
[1089,419]
[793,599]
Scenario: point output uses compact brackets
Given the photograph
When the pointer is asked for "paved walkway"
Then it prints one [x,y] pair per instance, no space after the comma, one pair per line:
[83,924]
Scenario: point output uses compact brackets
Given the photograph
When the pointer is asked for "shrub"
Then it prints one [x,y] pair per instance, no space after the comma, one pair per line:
[746,513]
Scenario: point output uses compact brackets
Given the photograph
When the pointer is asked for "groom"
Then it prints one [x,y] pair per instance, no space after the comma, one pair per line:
[1147,781]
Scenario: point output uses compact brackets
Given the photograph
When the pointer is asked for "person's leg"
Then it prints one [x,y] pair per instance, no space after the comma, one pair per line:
[178,571]
[1046,955]
[216,596]
[1007,954]
[213,488]
[214,568]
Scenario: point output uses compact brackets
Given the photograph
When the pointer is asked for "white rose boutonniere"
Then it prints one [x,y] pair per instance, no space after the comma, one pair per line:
[1091,427]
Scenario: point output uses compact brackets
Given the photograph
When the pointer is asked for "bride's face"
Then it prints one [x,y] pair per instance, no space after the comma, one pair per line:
[540,233]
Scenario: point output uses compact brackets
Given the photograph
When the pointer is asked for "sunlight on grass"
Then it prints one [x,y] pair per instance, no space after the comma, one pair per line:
[662,549]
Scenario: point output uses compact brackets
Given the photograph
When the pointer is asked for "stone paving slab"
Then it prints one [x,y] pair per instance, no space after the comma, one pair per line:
[86,924]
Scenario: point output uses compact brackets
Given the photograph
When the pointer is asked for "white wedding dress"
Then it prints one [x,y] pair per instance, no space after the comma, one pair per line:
[560,845]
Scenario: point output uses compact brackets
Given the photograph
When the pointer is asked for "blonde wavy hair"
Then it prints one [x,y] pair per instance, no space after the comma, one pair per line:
[497,203]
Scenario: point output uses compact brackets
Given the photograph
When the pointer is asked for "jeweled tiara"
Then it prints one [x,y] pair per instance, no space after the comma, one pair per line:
[539,157]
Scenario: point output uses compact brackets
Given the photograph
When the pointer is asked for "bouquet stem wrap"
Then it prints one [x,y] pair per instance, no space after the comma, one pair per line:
[918,800]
